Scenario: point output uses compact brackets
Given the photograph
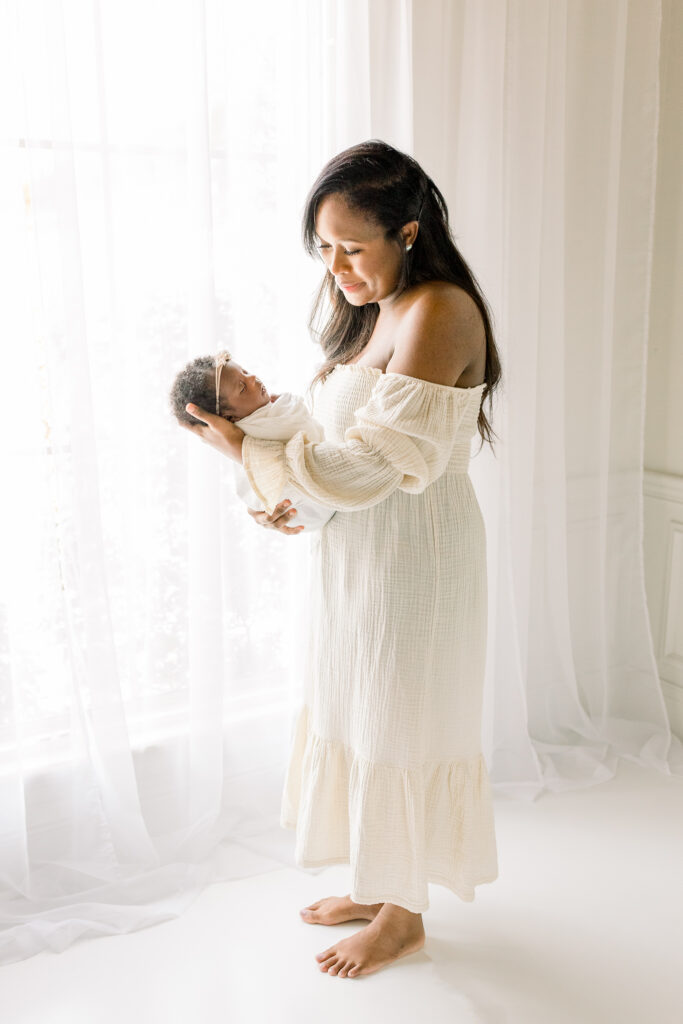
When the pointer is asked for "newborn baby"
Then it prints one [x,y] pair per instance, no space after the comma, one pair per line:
[220,383]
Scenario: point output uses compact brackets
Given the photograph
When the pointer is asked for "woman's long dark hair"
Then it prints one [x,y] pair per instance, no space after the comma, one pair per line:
[391,189]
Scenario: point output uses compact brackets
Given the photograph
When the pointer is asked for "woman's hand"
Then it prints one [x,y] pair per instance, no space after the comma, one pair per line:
[221,434]
[225,437]
[278,520]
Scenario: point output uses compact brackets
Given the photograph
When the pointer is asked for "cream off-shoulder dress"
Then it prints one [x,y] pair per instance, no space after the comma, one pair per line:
[386,771]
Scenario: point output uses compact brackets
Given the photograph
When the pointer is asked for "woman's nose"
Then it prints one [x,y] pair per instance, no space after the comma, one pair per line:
[338,261]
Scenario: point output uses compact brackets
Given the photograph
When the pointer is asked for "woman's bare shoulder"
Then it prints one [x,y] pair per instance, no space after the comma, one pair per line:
[438,334]
[441,295]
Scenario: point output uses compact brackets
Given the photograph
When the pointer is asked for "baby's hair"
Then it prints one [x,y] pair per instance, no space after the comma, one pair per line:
[195,384]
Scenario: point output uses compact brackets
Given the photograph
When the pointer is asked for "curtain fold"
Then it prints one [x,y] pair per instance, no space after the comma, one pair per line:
[152,637]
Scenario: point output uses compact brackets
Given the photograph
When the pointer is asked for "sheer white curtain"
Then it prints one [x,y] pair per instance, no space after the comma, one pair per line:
[155,166]
[548,158]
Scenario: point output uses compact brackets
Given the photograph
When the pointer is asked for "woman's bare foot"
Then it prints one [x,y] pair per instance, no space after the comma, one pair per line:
[337,909]
[395,932]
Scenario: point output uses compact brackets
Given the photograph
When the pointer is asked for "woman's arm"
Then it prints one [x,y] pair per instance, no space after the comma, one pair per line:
[228,442]
[403,436]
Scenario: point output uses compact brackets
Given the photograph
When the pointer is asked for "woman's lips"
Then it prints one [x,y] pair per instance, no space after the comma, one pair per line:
[351,287]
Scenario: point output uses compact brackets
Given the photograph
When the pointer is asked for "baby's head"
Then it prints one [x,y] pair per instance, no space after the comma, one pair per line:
[239,392]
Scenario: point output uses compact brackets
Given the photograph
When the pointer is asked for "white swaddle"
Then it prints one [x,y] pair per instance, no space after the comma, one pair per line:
[280,421]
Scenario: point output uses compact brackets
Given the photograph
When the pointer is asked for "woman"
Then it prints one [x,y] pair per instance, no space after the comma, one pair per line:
[386,771]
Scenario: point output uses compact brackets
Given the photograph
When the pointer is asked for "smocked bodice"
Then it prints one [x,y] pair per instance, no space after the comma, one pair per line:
[349,386]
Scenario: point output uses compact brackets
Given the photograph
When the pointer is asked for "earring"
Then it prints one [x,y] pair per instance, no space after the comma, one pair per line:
[409,247]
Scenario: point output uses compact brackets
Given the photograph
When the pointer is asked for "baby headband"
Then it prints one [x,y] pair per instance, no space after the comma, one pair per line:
[220,360]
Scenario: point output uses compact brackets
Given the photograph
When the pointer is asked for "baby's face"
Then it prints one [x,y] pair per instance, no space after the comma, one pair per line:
[240,392]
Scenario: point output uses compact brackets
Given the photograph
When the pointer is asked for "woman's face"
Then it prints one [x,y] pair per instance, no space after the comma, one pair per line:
[364,264]
[240,392]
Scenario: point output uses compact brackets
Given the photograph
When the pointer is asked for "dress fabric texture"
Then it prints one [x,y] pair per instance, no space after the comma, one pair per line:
[386,771]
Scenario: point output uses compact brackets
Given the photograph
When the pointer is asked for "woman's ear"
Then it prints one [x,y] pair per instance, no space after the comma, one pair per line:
[409,232]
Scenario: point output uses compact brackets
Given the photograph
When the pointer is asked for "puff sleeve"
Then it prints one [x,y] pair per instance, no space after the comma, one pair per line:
[402,439]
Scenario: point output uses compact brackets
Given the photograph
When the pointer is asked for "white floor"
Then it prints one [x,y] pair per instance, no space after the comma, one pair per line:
[583,926]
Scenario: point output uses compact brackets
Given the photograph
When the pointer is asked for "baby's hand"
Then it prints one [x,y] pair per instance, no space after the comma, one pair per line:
[273,398]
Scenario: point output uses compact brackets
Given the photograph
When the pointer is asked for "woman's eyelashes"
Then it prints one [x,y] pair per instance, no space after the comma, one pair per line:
[347,252]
